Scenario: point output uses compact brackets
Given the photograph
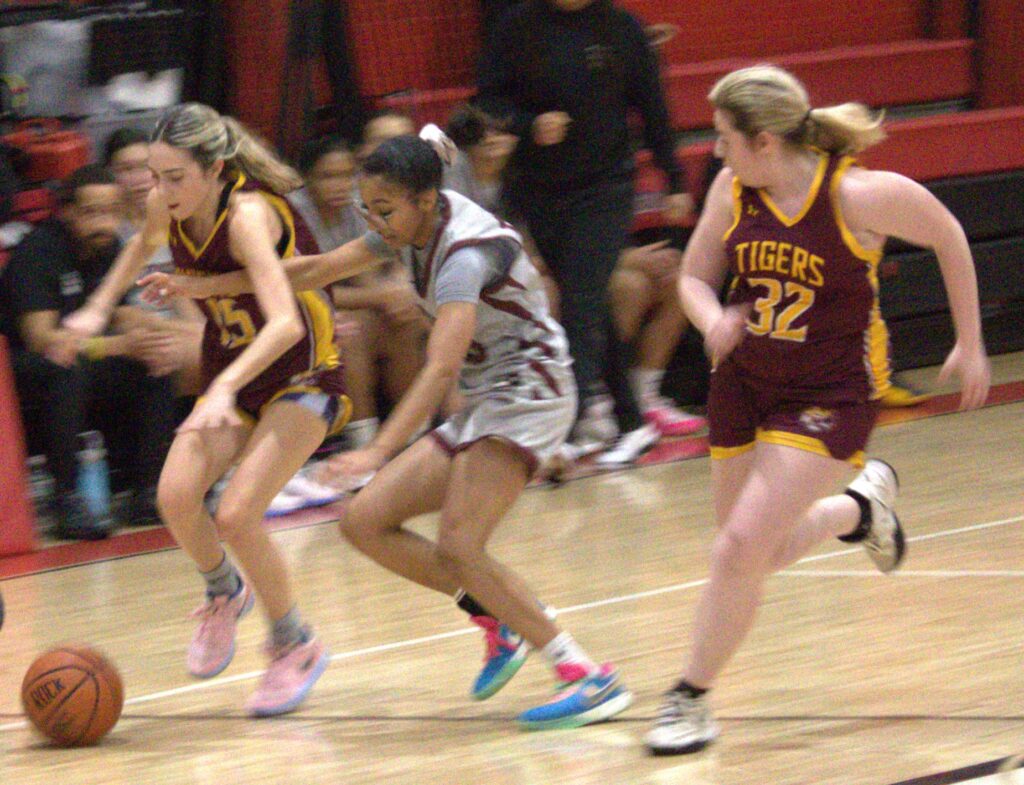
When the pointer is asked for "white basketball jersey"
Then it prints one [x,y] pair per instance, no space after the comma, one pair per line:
[516,339]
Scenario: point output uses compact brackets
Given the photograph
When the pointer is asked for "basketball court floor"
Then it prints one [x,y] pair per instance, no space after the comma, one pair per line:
[849,676]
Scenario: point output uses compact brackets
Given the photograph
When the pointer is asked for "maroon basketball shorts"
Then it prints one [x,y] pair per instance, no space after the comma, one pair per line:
[743,411]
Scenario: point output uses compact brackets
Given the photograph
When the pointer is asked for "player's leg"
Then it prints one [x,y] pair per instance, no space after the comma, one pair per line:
[287,434]
[486,479]
[194,462]
[779,486]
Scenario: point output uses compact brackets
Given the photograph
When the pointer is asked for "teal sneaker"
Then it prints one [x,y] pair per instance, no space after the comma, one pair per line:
[506,652]
[582,698]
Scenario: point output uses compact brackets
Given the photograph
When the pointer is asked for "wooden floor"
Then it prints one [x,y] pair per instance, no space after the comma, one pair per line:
[849,677]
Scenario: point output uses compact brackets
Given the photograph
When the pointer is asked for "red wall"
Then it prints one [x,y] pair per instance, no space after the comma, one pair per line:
[746,28]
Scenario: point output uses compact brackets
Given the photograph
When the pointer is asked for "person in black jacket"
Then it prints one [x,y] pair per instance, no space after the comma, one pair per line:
[68,384]
[565,75]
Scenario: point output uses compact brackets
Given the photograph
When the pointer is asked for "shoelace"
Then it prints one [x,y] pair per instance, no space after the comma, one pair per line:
[209,609]
[493,638]
[677,707]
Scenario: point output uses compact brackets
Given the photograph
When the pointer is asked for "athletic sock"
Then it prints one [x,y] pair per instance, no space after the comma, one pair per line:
[222,579]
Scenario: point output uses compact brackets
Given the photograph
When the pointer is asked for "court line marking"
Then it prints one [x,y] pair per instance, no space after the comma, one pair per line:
[409,642]
[903,573]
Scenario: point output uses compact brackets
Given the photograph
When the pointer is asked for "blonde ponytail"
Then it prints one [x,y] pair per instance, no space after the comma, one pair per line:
[768,98]
[210,136]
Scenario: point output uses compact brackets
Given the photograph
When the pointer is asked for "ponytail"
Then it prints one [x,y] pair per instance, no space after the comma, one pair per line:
[768,98]
[210,137]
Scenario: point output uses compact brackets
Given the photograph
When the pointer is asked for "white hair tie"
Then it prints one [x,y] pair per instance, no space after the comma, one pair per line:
[440,141]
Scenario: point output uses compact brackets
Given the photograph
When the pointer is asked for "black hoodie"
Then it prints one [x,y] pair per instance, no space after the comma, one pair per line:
[594,64]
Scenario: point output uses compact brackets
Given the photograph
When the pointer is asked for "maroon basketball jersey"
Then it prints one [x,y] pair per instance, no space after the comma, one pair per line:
[233,322]
[813,287]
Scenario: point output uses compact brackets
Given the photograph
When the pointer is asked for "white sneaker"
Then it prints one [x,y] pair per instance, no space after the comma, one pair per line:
[630,447]
[684,725]
[884,541]
[596,427]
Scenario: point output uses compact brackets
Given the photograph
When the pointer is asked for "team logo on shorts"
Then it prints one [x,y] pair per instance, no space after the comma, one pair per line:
[817,420]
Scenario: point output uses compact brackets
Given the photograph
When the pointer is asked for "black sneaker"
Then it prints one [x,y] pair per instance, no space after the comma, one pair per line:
[75,522]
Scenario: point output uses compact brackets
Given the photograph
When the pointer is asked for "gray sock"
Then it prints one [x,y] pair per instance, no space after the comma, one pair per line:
[289,630]
[222,579]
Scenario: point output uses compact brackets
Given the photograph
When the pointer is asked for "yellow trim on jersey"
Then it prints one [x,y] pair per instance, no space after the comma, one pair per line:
[819,178]
[283,209]
[800,441]
[878,353]
[721,453]
[189,246]
[737,207]
[851,242]
[320,322]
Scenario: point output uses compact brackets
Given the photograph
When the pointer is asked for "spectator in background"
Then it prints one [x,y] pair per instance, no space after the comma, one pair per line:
[72,384]
[168,337]
[647,312]
[383,125]
[565,74]
[386,348]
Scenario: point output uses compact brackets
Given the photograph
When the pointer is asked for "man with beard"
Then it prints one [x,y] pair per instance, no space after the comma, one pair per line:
[69,385]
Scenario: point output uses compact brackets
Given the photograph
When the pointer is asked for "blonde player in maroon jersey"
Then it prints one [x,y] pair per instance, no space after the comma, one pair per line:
[800,228]
[272,380]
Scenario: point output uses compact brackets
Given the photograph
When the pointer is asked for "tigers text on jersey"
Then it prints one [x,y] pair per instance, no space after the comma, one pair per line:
[813,287]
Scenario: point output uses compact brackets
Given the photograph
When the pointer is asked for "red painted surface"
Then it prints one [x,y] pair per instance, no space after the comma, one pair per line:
[17,520]
[1002,66]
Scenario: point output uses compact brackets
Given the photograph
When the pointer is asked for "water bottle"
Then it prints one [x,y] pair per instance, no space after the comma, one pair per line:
[41,493]
[93,474]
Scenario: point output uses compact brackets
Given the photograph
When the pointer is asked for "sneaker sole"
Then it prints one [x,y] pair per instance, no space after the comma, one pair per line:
[291,705]
[619,702]
[685,749]
[223,664]
[503,676]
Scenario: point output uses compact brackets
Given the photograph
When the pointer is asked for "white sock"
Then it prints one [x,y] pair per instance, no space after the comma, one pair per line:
[646,384]
[361,432]
[562,649]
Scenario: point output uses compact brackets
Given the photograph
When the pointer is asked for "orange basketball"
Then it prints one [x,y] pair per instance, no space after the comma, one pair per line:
[73,695]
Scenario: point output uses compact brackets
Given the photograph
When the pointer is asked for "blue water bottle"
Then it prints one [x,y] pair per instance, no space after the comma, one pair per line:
[93,474]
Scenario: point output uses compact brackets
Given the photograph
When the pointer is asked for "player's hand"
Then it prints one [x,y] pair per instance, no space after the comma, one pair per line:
[727,332]
[354,463]
[160,288]
[550,128]
[974,371]
[399,304]
[161,351]
[88,321]
[216,409]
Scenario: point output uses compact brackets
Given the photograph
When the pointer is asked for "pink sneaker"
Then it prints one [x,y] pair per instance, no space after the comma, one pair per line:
[213,644]
[292,673]
[671,421]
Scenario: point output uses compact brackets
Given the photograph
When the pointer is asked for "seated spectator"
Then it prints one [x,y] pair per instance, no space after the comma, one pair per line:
[385,124]
[385,350]
[647,311]
[484,150]
[169,344]
[69,384]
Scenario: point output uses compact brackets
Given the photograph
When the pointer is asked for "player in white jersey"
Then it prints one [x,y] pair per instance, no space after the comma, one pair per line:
[493,336]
